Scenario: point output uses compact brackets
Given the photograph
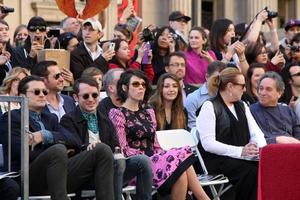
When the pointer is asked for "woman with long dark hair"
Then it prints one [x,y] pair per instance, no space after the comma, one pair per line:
[168,105]
[221,34]
[165,42]
[122,58]
[135,125]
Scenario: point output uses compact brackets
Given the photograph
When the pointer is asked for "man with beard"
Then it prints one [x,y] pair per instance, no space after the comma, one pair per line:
[57,103]
[176,65]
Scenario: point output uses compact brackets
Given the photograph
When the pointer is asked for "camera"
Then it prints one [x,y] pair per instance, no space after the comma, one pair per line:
[147,35]
[234,39]
[174,36]
[295,48]
[271,14]
[5,9]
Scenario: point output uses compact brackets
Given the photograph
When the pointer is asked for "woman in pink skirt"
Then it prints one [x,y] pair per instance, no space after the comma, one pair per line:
[135,125]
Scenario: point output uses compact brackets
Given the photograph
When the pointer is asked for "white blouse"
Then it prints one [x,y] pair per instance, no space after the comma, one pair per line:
[206,126]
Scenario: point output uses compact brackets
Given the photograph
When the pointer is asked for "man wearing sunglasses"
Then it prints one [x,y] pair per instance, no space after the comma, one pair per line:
[50,169]
[35,42]
[89,53]
[95,128]
[57,103]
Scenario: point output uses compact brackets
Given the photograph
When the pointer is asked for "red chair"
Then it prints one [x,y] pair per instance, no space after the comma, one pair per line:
[279,172]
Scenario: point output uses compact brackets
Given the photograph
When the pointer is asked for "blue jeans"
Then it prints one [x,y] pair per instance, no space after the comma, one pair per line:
[138,166]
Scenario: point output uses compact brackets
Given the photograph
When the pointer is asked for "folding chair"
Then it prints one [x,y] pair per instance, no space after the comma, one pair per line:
[178,138]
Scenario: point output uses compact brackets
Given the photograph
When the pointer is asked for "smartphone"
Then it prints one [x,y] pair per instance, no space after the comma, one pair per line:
[39,39]
[112,46]
[145,58]
[53,32]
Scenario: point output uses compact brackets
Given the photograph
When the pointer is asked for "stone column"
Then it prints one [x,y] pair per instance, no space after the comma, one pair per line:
[110,17]
[297,8]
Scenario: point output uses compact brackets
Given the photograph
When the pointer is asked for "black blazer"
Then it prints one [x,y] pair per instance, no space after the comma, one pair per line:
[189,89]
[80,60]
[76,124]
[50,122]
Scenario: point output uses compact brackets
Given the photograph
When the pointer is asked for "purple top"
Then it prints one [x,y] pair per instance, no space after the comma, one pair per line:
[196,67]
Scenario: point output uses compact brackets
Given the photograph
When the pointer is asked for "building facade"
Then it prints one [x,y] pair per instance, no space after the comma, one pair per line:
[203,12]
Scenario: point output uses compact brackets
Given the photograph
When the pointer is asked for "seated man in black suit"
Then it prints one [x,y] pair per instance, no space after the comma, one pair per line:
[94,127]
[50,169]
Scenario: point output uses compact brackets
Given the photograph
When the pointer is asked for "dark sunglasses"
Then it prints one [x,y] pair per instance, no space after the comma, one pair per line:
[297,74]
[87,96]
[137,84]
[34,28]
[57,76]
[240,84]
[37,92]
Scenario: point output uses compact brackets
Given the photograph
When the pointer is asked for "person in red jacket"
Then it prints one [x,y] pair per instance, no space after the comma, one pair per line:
[122,58]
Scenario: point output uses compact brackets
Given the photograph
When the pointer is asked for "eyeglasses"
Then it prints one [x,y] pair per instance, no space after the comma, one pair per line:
[35,28]
[240,84]
[57,76]
[87,96]
[4,29]
[297,74]
[177,64]
[137,84]
[263,52]
[37,92]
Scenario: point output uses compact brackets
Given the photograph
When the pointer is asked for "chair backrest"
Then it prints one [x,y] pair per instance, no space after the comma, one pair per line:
[279,172]
[178,138]
[175,138]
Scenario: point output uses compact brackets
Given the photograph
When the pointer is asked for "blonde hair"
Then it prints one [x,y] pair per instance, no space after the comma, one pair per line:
[219,82]
[13,74]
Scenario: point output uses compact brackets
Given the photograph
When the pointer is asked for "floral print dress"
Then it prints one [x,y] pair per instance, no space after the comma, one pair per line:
[136,134]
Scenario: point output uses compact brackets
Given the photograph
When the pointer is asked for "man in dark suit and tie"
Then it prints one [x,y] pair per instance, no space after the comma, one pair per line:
[50,169]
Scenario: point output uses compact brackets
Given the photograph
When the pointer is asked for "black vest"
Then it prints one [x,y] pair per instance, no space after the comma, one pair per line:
[228,129]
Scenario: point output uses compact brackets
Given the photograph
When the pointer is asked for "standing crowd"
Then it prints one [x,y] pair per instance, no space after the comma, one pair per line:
[238,90]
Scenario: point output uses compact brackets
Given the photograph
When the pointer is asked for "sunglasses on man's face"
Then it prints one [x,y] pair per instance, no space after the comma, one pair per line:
[37,92]
[57,76]
[137,84]
[297,74]
[35,28]
[87,96]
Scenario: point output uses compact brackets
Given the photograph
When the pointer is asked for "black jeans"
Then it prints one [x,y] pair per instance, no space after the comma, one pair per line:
[52,172]
[9,189]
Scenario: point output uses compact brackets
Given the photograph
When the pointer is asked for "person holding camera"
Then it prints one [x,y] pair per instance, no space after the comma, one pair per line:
[221,34]
[122,58]
[293,50]
[292,27]
[178,22]
[163,45]
[36,41]
[5,50]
